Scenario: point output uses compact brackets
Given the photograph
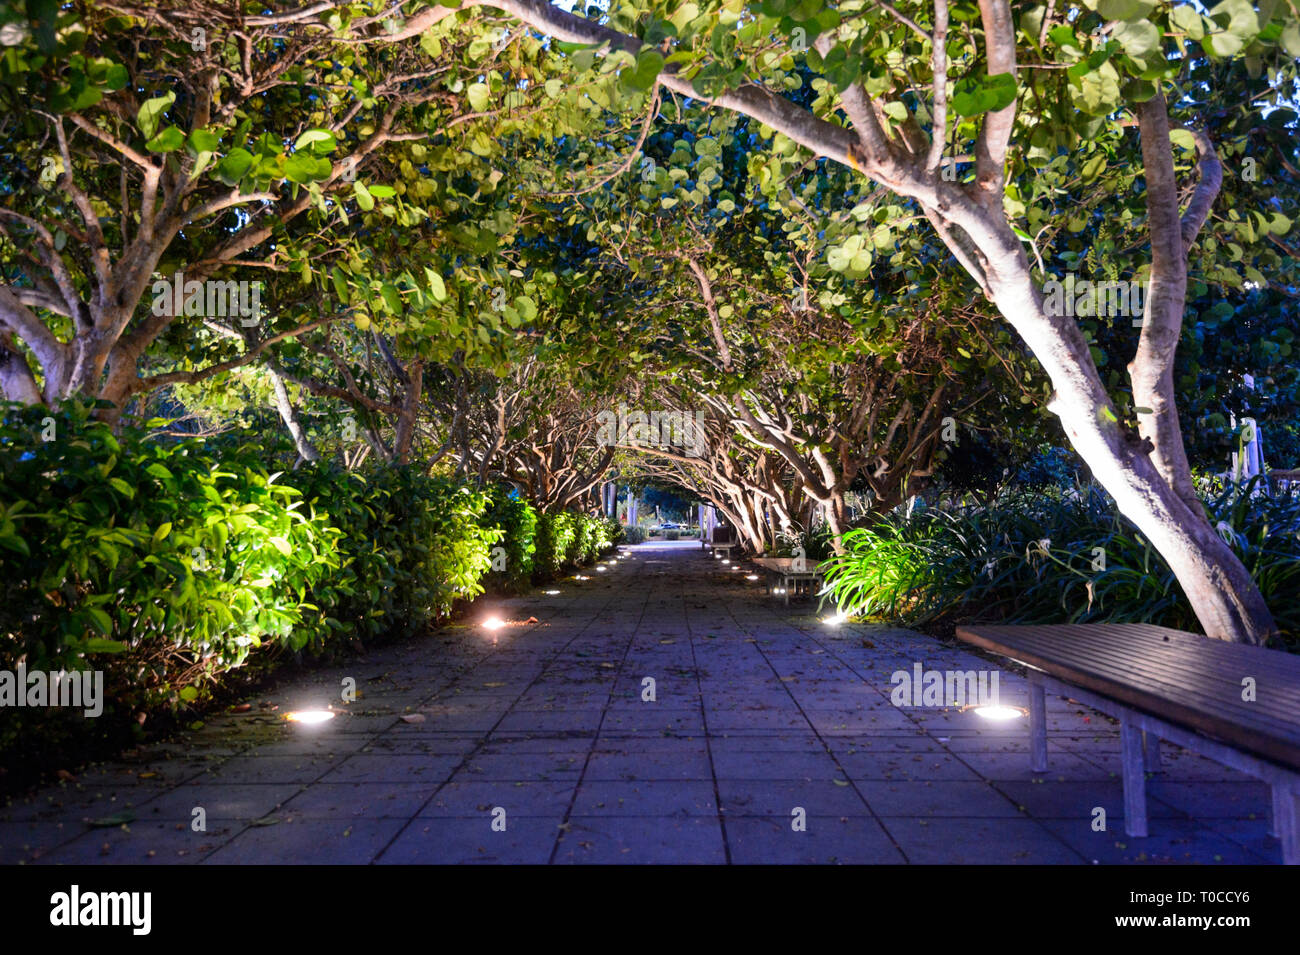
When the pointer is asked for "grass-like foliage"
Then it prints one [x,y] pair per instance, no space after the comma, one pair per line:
[1053,557]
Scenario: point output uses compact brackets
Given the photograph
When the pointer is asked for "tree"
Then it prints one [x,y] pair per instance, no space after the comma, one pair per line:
[907,94]
[179,163]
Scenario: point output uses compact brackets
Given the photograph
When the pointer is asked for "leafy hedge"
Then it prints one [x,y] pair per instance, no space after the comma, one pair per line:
[160,564]
[518,522]
[165,564]
[1030,558]
[568,539]
[410,547]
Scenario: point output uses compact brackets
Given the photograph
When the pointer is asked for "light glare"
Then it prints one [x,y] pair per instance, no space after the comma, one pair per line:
[999,713]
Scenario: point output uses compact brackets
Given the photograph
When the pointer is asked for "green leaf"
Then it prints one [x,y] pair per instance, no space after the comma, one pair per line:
[169,140]
[1122,9]
[321,141]
[480,97]
[161,533]
[122,487]
[151,113]
[392,298]
[973,96]
[102,622]
[232,168]
[1291,38]
[436,285]
[365,201]
[188,694]
[102,645]
[1187,19]
[204,141]
[649,64]
[304,168]
[117,819]
[340,284]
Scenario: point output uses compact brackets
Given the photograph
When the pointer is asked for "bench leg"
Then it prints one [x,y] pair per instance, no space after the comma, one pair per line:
[1135,781]
[1151,751]
[1037,725]
[1286,821]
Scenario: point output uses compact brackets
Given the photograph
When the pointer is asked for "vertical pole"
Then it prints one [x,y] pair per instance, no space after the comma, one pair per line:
[1037,723]
[1135,780]
[1286,820]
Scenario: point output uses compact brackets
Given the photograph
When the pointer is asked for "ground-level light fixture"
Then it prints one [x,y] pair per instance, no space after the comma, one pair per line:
[1000,713]
[551,593]
[751,576]
[836,618]
[310,716]
[493,623]
[580,577]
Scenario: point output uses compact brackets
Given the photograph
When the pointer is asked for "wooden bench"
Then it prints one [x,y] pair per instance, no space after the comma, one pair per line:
[718,540]
[783,569]
[1164,684]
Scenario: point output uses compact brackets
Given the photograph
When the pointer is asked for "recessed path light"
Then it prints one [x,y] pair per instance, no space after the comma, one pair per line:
[309,716]
[1000,713]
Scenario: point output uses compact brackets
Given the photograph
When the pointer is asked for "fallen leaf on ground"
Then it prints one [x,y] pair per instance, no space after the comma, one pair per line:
[413,717]
[117,819]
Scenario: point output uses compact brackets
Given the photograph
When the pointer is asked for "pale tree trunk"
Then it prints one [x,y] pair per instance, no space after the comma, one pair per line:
[306,450]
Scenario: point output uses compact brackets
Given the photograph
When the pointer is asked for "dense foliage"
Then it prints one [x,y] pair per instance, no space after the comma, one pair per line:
[1053,557]
[165,564]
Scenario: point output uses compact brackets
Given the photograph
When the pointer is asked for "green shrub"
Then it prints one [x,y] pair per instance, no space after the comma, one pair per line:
[517,520]
[672,535]
[1031,558]
[633,535]
[165,564]
[568,539]
[555,539]
[411,546]
[159,563]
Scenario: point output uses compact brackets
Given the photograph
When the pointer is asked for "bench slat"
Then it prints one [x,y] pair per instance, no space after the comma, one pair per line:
[1178,676]
[1195,662]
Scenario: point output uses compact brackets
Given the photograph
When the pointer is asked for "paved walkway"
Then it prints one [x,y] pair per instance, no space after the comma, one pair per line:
[762,717]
